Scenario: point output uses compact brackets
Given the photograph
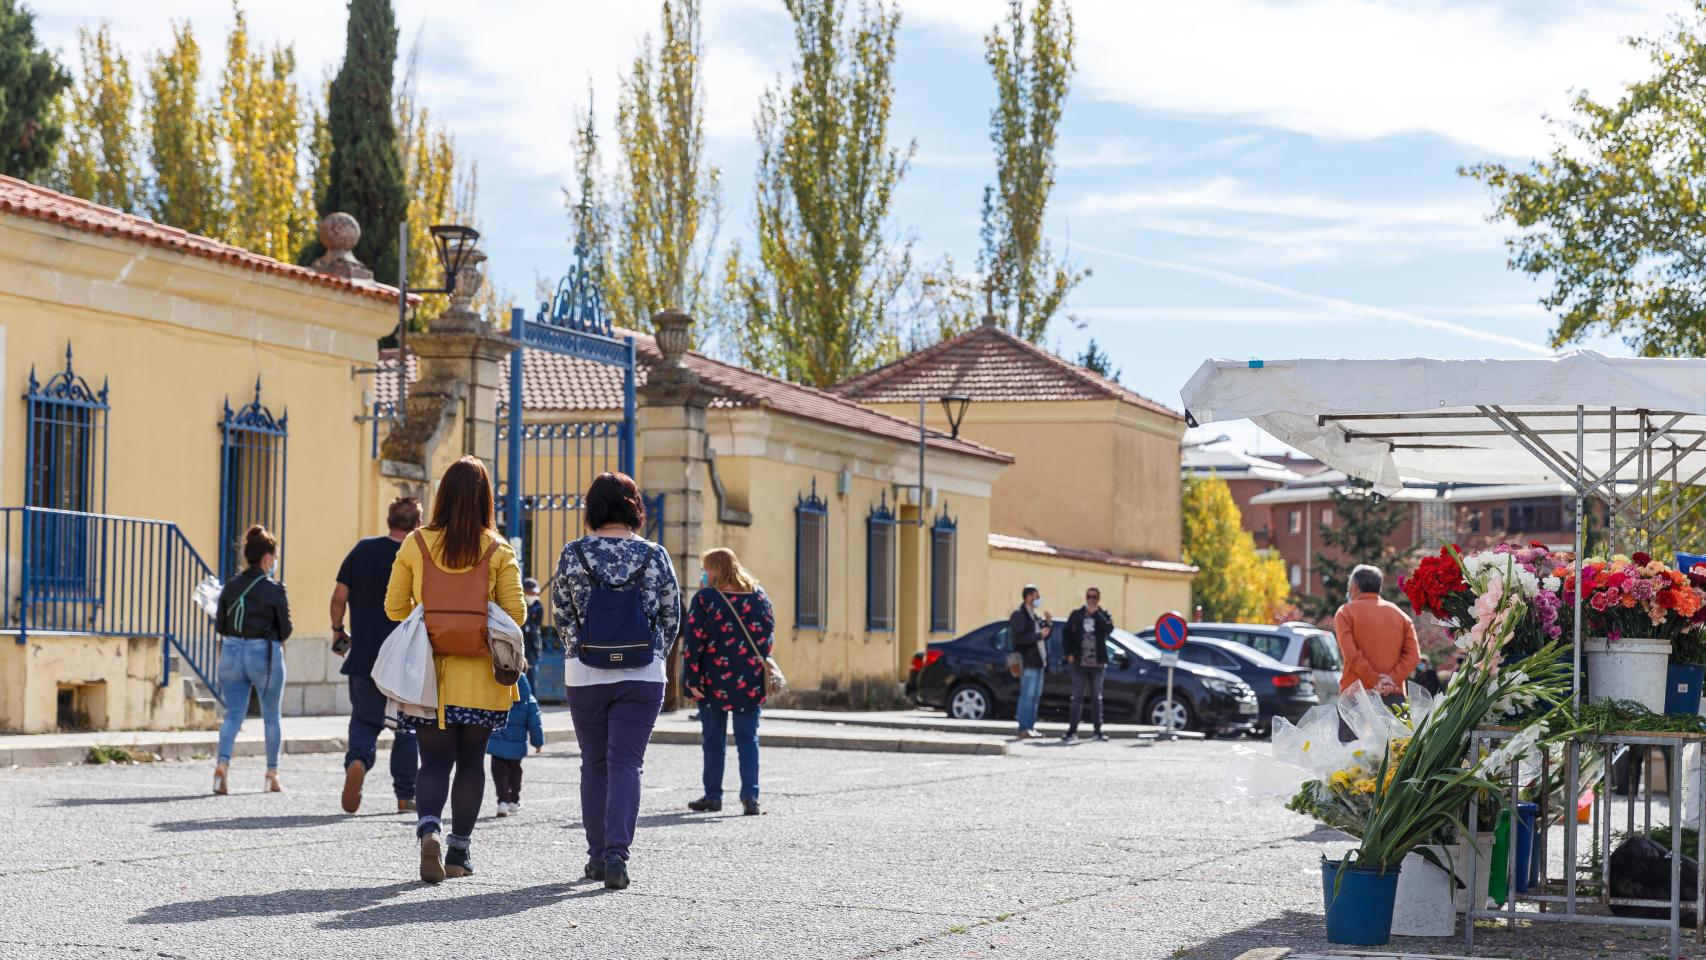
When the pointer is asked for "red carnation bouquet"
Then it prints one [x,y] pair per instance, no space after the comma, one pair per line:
[1437,587]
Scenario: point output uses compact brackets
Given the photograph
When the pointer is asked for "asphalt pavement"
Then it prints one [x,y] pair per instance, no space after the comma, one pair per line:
[1119,850]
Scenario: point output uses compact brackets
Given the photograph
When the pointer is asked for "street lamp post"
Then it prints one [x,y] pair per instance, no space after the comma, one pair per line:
[954,405]
[454,243]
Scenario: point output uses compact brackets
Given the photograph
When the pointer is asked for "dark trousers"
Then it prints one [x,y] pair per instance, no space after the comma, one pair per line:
[459,749]
[713,735]
[366,719]
[506,779]
[613,723]
[1083,677]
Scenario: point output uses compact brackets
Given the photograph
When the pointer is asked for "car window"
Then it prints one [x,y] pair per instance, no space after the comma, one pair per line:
[1197,653]
[1324,653]
[1000,639]
[1142,647]
[1226,661]
[1270,644]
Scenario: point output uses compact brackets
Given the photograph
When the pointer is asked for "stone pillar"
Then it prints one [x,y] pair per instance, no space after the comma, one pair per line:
[671,451]
[452,406]
[339,233]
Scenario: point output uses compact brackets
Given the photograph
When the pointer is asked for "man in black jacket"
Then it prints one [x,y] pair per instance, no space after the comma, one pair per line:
[1087,632]
[1029,626]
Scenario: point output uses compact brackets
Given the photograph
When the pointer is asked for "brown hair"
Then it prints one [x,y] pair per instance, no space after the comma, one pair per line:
[723,569]
[404,514]
[257,543]
[613,498]
[462,512]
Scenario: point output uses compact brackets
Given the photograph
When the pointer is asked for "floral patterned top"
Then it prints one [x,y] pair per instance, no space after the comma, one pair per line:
[615,560]
[718,662]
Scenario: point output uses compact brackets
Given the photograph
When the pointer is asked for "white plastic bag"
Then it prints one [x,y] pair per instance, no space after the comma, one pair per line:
[206,595]
[404,669]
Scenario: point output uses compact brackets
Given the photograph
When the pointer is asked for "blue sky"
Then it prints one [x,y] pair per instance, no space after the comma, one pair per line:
[1245,178]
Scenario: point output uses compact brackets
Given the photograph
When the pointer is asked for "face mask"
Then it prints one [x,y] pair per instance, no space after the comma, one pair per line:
[704,579]
[1038,602]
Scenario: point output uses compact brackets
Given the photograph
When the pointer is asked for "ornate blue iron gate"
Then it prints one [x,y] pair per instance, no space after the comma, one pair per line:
[252,449]
[543,467]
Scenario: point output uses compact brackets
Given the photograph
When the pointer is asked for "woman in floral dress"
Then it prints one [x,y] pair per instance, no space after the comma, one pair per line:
[729,635]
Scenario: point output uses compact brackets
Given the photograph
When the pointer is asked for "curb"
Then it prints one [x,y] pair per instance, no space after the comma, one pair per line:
[205,748]
[1002,728]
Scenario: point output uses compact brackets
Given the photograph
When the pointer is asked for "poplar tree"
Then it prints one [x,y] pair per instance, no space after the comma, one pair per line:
[1031,84]
[182,135]
[260,124]
[666,217]
[818,306]
[365,178]
[588,208]
[31,81]
[1234,583]
[99,161]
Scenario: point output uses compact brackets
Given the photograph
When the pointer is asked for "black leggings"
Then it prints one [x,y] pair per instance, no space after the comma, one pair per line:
[458,745]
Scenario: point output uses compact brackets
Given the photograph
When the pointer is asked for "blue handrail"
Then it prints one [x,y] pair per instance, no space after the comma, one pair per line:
[135,578]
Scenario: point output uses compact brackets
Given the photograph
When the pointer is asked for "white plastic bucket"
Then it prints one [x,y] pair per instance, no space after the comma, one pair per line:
[1633,668]
[1423,906]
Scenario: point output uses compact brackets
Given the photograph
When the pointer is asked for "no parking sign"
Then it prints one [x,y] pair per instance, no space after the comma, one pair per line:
[1170,634]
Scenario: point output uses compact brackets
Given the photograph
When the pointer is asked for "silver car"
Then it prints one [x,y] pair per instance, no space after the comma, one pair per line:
[1295,643]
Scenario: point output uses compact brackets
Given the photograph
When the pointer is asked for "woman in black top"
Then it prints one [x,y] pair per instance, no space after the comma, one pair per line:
[254,622]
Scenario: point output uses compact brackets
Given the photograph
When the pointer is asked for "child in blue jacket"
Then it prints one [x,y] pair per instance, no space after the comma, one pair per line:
[509,745]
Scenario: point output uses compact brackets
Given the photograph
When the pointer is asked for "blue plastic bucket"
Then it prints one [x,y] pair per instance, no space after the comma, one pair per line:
[1682,689]
[1359,910]
[1526,863]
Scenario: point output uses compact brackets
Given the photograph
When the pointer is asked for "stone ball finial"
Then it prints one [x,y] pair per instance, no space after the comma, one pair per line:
[339,233]
[673,331]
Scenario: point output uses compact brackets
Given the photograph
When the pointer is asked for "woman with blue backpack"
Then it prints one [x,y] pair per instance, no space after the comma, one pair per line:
[618,606]
[508,747]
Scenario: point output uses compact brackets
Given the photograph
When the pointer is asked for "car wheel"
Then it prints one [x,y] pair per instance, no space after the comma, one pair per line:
[1176,712]
[970,701]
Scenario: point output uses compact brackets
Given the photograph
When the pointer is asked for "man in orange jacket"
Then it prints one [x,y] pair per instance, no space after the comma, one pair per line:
[1377,639]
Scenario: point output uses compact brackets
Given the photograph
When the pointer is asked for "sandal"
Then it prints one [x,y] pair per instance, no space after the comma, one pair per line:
[219,787]
[272,783]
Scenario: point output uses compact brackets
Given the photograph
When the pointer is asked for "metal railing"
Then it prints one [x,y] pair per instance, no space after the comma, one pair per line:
[66,572]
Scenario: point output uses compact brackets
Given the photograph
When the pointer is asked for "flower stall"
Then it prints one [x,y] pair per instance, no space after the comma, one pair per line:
[1523,739]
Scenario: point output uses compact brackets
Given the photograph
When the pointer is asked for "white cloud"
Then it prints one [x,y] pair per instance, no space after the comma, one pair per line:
[1338,306]
[1477,72]
[1252,224]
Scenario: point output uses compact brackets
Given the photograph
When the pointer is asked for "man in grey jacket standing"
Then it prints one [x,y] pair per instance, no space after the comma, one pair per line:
[1087,632]
[1029,627]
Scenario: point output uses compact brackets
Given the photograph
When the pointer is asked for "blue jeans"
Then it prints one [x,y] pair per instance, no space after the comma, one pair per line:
[366,719]
[250,664]
[613,723]
[714,726]
[1030,691]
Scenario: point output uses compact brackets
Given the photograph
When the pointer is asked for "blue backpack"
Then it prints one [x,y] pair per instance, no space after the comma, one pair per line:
[615,632]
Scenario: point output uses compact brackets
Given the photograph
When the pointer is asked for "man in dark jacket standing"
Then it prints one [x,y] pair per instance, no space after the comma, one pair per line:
[1087,632]
[360,592]
[1030,626]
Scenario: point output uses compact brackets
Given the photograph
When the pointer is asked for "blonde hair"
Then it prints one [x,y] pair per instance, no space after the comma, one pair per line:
[725,571]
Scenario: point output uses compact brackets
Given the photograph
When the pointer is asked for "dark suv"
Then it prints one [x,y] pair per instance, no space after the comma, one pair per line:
[968,678]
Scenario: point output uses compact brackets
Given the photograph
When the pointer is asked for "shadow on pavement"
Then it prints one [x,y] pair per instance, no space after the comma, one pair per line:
[124,801]
[255,823]
[486,905]
[281,903]
[671,819]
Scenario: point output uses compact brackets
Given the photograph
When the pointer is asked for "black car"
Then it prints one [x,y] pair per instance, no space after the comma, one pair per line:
[968,678]
[1281,691]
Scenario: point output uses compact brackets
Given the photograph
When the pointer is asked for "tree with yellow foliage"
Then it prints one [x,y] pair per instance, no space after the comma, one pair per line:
[260,121]
[182,134]
[98,161]
[1234,584]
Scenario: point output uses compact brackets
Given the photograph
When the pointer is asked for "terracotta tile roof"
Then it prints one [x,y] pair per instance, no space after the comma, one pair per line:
[988,363]
[1001,541]
[553,383]
[39,203]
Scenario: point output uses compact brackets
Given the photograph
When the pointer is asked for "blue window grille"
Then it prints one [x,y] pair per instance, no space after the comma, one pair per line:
[65,464]
[944,568]
[252,449]
[811,560]
[880,567]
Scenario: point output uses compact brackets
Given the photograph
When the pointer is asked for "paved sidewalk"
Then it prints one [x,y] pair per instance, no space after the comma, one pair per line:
[328,735]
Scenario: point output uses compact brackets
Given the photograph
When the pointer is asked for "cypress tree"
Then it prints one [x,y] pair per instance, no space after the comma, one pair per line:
[366,175]
[30,81]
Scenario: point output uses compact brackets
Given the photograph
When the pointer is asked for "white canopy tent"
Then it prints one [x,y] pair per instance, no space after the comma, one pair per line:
[1610,427]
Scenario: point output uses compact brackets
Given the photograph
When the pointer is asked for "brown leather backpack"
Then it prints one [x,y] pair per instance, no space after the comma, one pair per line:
[456,604]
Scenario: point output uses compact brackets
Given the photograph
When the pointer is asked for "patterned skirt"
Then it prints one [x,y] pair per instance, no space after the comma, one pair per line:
[490,719]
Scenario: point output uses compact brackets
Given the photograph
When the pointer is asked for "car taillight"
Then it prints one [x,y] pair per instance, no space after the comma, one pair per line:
[1288,680]
[924,659]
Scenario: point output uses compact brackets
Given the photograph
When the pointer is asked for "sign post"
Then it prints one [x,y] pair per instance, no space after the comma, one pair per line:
[1170,634]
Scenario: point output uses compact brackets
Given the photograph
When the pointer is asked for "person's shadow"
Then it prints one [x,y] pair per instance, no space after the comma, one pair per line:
[488,905]
[360,908]
[281,903]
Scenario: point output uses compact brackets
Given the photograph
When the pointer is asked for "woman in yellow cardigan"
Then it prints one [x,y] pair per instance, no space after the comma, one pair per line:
[460,540]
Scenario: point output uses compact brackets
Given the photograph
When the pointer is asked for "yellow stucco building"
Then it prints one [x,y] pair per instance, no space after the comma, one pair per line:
[167,390]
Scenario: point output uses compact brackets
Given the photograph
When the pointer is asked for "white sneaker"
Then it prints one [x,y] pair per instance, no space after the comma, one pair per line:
[503,809]
[515,807]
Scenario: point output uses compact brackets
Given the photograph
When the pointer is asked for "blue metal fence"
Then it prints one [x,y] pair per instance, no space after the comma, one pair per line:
[141,575]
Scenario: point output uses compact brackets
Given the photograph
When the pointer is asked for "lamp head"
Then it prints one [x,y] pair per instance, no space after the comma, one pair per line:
[455,242]
[954,405]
